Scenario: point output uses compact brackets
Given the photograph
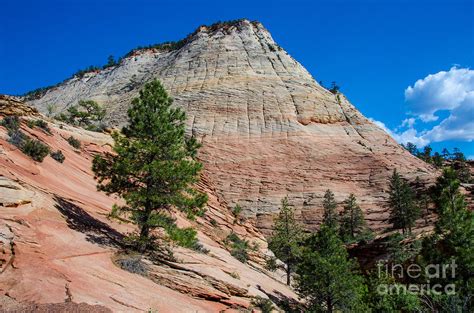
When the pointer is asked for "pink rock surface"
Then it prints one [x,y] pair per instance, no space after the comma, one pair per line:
[268,129]
[58,244]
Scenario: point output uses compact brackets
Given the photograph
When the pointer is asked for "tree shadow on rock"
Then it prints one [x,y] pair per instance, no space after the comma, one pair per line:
[283,302]
[79,220]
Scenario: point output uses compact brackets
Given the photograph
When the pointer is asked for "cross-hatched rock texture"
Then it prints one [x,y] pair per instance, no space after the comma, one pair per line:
[59,250]
[268,129]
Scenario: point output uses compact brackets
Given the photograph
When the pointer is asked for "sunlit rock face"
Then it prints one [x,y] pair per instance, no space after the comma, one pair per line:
[268,129]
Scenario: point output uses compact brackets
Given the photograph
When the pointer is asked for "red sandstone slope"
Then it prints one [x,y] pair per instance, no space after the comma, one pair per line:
[267,127]
[58,244]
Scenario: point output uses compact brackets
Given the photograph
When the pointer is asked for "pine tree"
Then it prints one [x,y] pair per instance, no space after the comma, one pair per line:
[404,212]
[452,241]
[437,159]
[153,165]
[411,147]
[458,155]
[445,154]
[110,62]
[426,154]
[353,225]
[330,216]
[286,238]
[422,199]
[327,278]
[84,114]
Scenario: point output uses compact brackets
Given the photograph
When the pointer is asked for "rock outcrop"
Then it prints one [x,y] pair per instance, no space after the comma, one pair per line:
[268,129]
[12,106]
[59,249]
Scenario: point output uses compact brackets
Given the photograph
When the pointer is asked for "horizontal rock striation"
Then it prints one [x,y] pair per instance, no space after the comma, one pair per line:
[58,245]
[268,129]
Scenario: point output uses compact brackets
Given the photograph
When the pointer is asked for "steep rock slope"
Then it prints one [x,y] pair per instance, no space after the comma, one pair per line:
[58,246]
[268,128]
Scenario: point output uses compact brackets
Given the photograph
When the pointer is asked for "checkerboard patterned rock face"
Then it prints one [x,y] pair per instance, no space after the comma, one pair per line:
[268,128]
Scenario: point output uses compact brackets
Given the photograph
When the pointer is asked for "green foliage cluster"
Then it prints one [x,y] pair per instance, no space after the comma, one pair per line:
[239,247]
[385,302]
[330,215]
[404,212]
[58,156]
[456,159]
[329,281]
[11,123]
[452,241]
[184,237]
[132,263]
[286,239]
[326,278]
[35,149]
[353,227]
[17,138]
[74,142]
[31,147]
[237,210]
[87,113]
[40,124]
[333,88]
[402,248]
[422,199]
[350,223]
[153,167]
[263,304]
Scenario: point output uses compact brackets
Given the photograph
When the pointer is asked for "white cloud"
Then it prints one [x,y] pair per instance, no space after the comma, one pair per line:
[408,122]
[449,91]
[459,125]
[409,135]
[441,91]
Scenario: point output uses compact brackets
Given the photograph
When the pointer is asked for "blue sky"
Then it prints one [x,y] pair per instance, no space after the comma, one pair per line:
[374,49]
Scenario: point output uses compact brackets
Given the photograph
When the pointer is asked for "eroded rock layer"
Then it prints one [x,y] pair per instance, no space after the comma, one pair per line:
[268,129]
[59,249]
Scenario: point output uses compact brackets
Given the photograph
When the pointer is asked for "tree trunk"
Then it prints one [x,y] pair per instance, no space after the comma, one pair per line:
[144,230]
[329,305]
[144,233]
[288,274]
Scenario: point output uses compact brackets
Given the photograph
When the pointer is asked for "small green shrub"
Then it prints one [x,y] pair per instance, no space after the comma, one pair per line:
[184,237]
[271,264]
[30,123]
[239,247]
[35,149]
[17,138]
[265,305]
[39,123]
[50,108]
[96,128]
[234,275]
[334,88]
[75,143]
[213,222]
[11,123]
[133,264]
[87,113]
[58,156]
[237,210]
